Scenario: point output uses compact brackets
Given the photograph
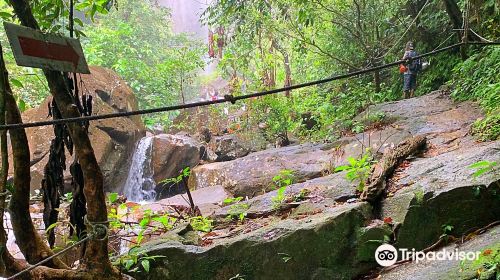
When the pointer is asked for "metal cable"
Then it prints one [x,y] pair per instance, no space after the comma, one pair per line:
[228,98]
[31,267]
[98,231]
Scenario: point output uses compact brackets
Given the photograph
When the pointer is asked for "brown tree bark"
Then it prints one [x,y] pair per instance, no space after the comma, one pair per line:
[96,254]
[286,65]
[5,166]
[386,166]
[29,241]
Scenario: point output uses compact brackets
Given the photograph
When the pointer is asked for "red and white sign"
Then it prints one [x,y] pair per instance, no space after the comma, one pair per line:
[32,48]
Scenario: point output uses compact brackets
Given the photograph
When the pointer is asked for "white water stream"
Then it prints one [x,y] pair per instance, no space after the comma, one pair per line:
[140,185]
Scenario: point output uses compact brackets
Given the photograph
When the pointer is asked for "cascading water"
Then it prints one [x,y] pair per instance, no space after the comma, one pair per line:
[140,185]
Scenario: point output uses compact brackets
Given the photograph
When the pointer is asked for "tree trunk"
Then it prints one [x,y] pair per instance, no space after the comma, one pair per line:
[454,13]
[376,80]
[29,241]
[286,64]
[5,166]
[96,254]
[457,21]
[288,73]
[386,166]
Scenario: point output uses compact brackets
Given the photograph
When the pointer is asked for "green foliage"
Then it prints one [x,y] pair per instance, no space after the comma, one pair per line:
[284,179]
[302,195]
[238,211]
[201,223]
[68,197]
[477,79]
[231,200]
[358,170]
[275,112]
[488,128]
[279,198]
[186,172]
[483,167]
[150,222]
[447,229]
[438,73]
[489,260]
[137,42]
[136,260]
[112,197]
[419,196]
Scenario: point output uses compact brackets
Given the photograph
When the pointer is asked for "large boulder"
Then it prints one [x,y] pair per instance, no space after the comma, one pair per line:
[442,191]
[328,245]
[113,140]
[227,147]
[444,122]
[170,155]
[253,174]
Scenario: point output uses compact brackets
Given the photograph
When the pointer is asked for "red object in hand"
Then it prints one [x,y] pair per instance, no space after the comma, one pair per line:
[402,68]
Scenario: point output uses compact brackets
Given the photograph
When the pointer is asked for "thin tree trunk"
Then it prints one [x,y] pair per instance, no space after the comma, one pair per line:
[29,241]
[386,166]
[96,254]
[5,167]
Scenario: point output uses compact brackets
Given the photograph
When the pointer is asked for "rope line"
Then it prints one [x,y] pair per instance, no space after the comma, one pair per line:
[31,267]
[229,98]
[406,31]
[98,232]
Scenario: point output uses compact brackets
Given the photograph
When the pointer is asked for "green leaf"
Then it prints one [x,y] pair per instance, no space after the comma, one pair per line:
[144,222]
[483,163]
[52,226]
[145,264]
[128,264]
[342,168]
[16,83]
[352,161]
[112,197]
[21,104]
[5,15]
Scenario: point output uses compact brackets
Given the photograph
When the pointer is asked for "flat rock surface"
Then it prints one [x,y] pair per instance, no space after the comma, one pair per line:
[252,175]
[334,187]
[207,199]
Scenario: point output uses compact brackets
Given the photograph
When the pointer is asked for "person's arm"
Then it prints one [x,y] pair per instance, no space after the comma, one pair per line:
[405,55]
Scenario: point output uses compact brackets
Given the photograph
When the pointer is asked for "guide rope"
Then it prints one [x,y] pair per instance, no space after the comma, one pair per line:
[230,98]
[98,231]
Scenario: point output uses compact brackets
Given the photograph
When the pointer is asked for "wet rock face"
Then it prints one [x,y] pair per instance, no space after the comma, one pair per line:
[320,231]
[113,140]
[442,191]
[227,147]
[320,248]
[170,155]
[252,175]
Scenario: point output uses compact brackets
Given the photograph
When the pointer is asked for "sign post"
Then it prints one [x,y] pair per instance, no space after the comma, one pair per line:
[32,48]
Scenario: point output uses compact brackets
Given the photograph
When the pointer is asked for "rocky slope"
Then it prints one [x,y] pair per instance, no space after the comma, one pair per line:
[113,140]
[322,230]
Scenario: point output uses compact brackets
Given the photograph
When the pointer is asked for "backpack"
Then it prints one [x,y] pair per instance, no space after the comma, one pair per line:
[415,65]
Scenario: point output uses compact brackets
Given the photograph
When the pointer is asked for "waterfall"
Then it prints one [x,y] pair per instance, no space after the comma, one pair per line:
[140,185]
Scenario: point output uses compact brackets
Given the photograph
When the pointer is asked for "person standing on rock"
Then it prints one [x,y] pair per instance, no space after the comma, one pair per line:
[412,67]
